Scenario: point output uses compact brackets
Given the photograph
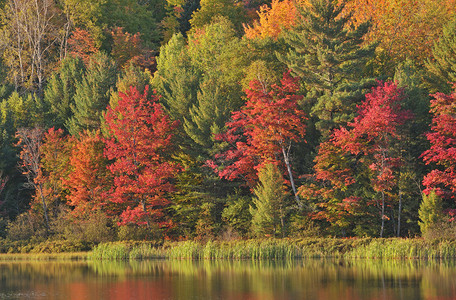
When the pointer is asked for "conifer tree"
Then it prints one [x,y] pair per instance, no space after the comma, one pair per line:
[268,215]
[60,91]
[217,53]
[92,94]
[176,79]
[329,57]
[207,117]
[442,67]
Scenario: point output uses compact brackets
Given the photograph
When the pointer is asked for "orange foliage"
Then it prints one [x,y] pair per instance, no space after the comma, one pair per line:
[272,20]
[82,44]
[88,179]
[127,48]
[404,28]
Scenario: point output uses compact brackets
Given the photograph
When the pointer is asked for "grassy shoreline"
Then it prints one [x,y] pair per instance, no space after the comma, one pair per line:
[256,249]
[274,249]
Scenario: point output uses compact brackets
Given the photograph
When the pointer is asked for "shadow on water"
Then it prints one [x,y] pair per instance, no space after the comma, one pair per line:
[186,279]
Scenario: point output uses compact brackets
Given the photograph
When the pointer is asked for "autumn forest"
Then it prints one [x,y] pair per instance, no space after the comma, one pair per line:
[227,119]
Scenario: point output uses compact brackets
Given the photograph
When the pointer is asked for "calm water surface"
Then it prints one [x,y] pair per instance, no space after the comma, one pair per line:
[306,279]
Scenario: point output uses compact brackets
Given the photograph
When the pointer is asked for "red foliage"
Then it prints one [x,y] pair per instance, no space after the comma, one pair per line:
[140,137]
[262,129]
[443,146]
[370,140]
[374,131]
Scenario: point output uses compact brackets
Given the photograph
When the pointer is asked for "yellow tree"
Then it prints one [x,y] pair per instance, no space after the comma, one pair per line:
[403,28]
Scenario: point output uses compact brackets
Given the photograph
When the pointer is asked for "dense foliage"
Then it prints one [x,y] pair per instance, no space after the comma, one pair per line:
[188,119]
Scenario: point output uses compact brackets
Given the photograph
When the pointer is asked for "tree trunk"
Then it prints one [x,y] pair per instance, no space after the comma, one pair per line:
[43,200]
[399,214]
[290,174]
[383,214]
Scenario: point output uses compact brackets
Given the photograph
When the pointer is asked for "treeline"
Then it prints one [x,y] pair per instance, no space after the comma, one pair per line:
[125,119]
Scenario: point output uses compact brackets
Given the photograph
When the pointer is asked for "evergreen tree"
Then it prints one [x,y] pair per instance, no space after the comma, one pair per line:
[442,67]
[92,94]
[60,91]
[430,212]
[329,57]
[217,53]
[176,79]
[207,117]
[268,215]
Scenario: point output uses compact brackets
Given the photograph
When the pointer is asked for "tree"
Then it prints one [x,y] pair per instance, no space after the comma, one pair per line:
[282,15]
[92,94]
[55,156]
[82,45]
[30,141]
[375,135]
[216,53]
[176,78]
[264,130]
[329,57]
[60,92]
[210,10]
[403,28]
[140,140]
[31,38]
[268,215]
[126,47]
[430,212]
[443,141]
[442,65]
[88,179]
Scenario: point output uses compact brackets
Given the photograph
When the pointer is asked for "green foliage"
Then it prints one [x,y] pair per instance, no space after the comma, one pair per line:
[176,79]
[217,53]
[94,228]
[60,92]
[329,57]
[270,207]
[134,232]
[92,94]
[430,212]
[442,67]
[212,9]
[25,227]
[237,214]
[135,16]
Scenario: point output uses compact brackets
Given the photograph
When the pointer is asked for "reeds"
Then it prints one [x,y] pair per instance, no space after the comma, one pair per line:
[280,249]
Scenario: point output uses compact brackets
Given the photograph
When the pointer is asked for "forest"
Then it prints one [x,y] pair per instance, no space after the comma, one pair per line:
[227,119]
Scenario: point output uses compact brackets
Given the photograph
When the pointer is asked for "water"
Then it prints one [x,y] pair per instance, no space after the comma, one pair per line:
[306,279]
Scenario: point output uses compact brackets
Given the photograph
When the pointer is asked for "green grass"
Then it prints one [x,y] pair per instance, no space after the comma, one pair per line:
[255,249]
[279,249]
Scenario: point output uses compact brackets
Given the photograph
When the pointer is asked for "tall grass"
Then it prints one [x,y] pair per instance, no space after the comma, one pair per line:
[279,249]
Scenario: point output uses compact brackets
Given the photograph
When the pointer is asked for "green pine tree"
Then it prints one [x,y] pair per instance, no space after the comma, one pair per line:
[208,116]
[268,215]
[442,67]
[176,79]
[92,94]
[329,57]
[60,91]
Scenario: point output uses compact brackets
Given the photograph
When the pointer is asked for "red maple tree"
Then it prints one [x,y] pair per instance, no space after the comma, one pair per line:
[263,130]
[374,137]
[140,140]
[443,147]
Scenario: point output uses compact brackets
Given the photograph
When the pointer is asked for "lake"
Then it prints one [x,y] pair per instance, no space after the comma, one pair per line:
[183,279]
